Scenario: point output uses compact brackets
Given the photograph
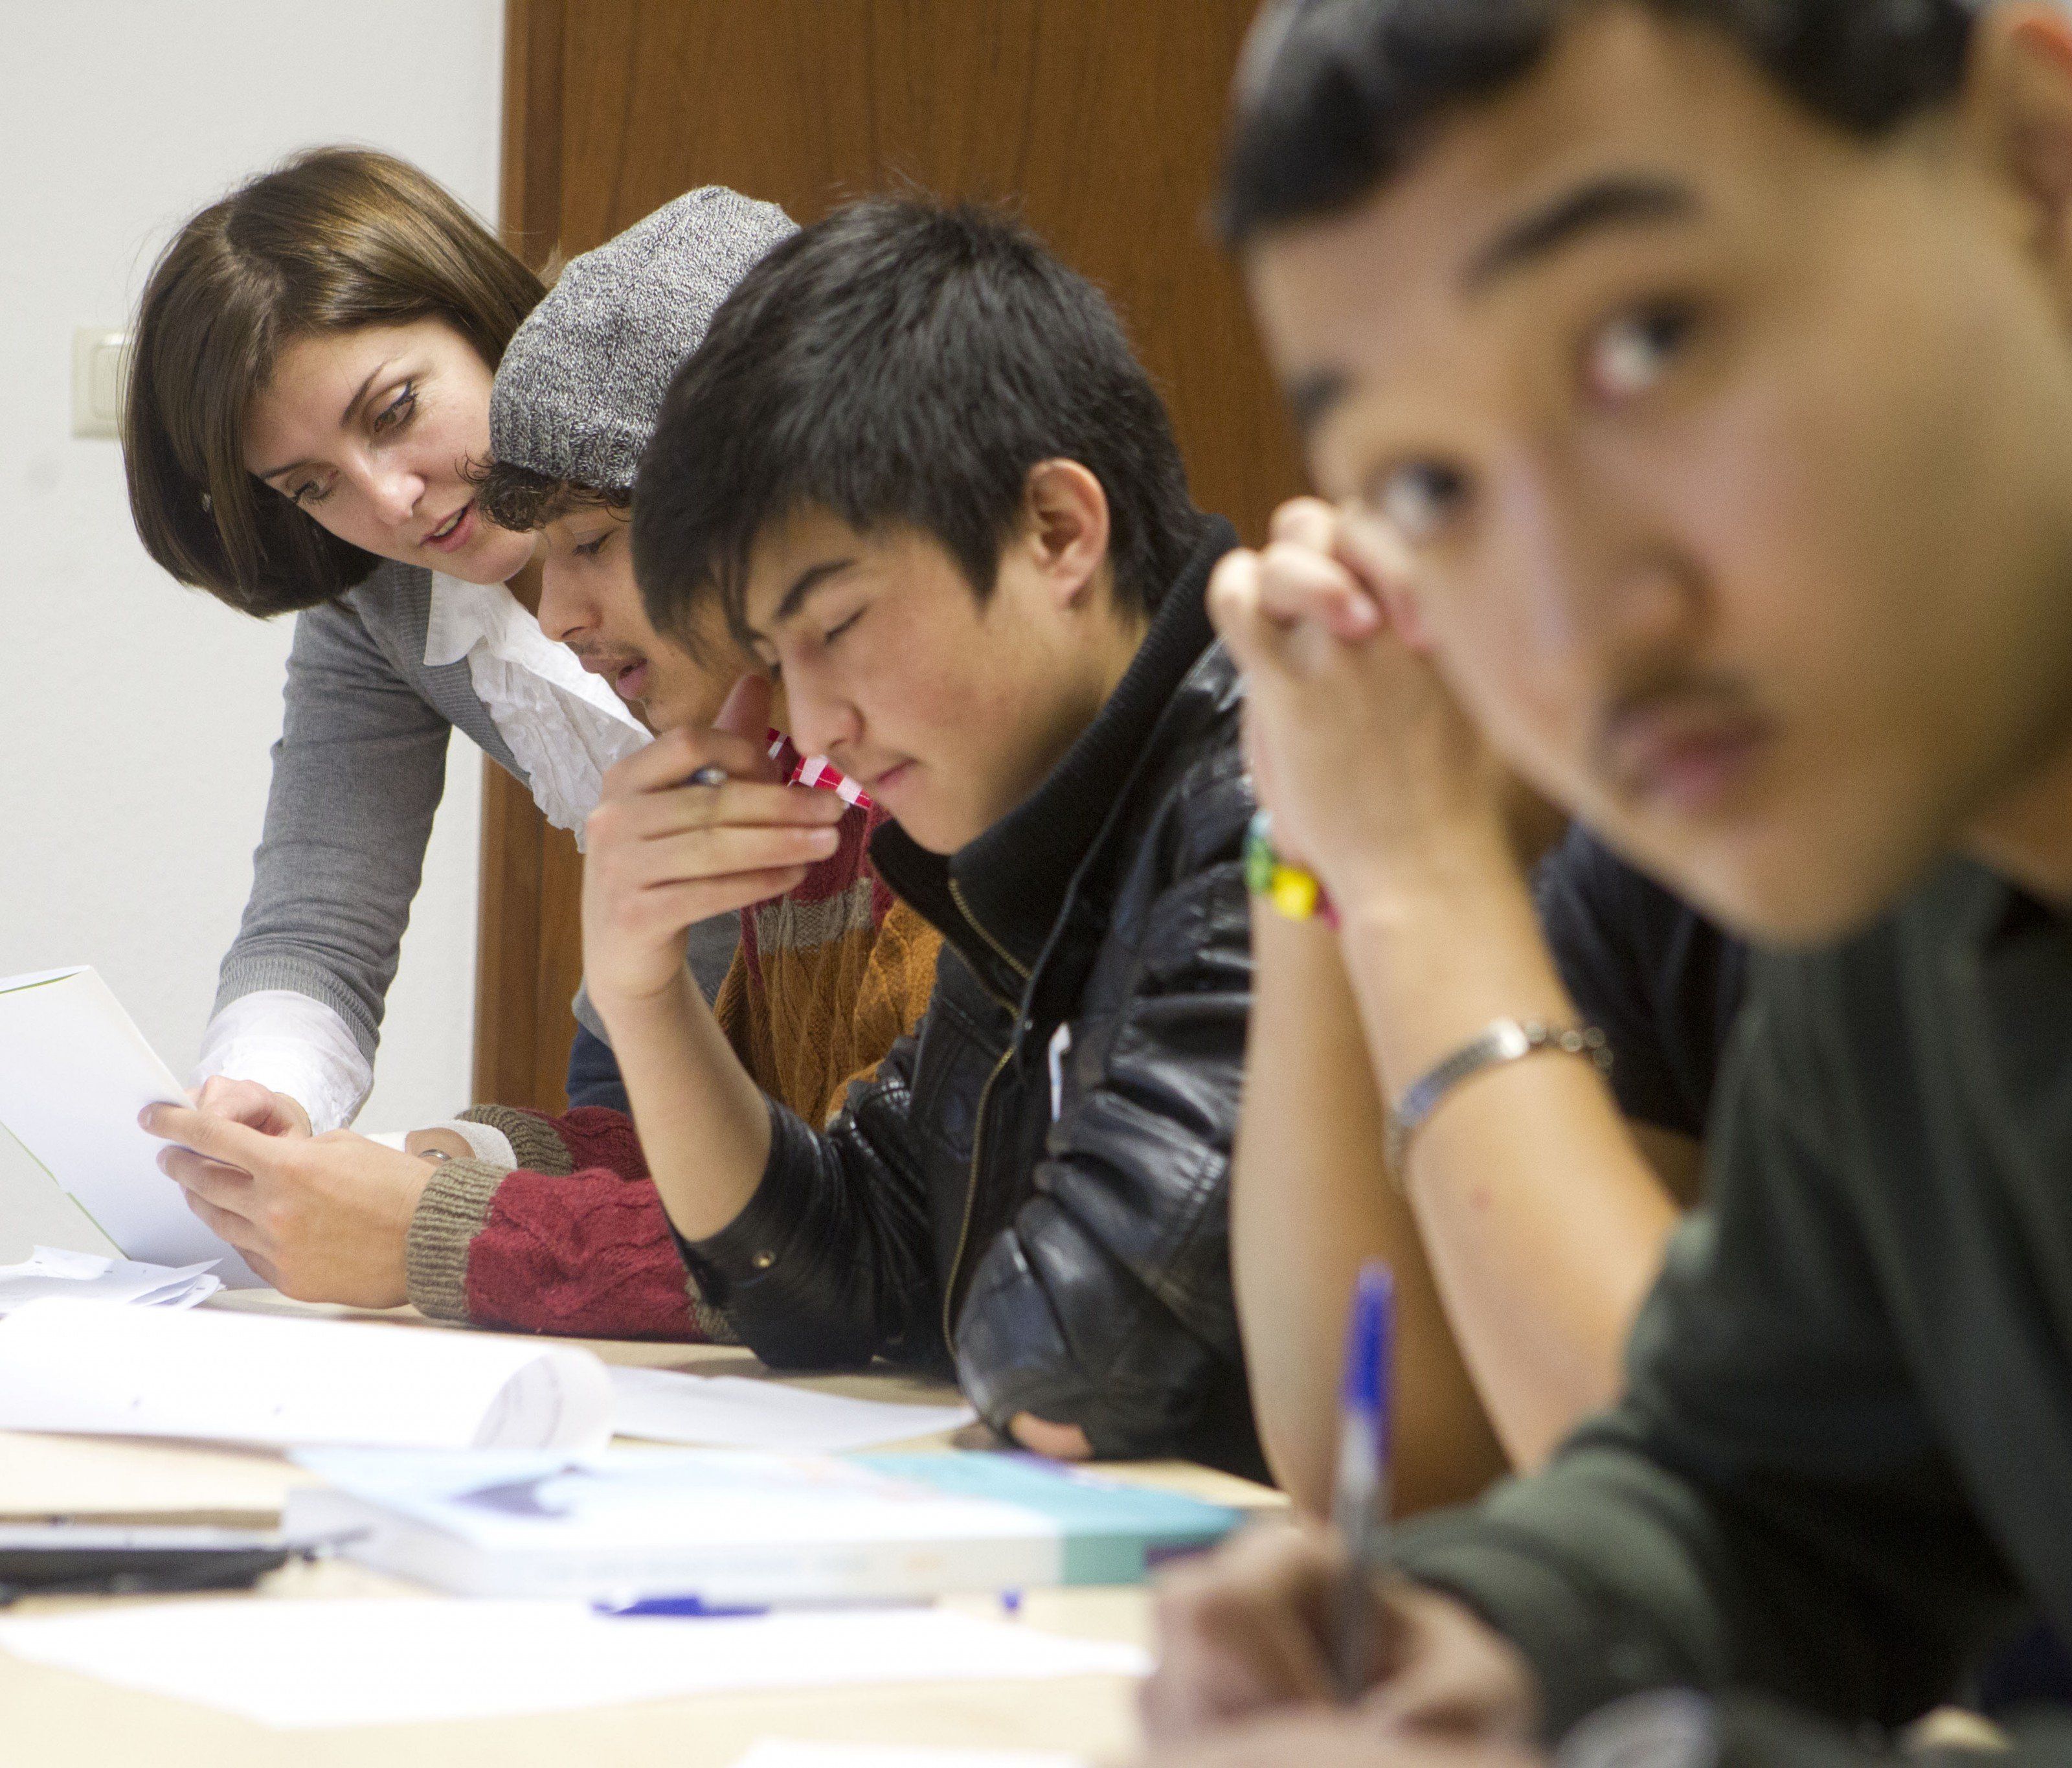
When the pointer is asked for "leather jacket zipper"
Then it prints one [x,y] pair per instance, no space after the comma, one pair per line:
[978,926]
[978,1119]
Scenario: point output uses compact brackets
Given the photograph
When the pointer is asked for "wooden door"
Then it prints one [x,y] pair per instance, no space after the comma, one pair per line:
[1097,121]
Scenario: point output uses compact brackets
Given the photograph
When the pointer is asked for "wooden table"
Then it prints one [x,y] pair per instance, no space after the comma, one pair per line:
[55,1719]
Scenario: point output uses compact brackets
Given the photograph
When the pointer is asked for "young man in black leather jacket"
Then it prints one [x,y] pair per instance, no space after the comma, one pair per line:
[917,465]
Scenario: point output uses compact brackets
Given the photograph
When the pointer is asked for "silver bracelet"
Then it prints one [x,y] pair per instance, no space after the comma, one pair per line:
[1504,1040]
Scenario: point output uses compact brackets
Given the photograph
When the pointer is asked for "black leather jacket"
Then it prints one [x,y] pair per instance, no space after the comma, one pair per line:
[1039,1177]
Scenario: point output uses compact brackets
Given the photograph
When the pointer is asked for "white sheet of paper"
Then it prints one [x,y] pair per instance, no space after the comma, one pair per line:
[88,1276]
[382,1661]
[74,1072]
[737,1411]
[36,1211]
[255,1377]
[783,1752]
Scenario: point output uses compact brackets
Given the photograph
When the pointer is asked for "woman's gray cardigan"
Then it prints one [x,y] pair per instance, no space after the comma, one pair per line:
[358,773]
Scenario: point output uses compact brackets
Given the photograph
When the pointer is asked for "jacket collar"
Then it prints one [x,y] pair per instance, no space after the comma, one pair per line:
[1007,887]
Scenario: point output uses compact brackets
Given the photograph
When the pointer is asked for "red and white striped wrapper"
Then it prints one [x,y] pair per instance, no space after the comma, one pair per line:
[818,772]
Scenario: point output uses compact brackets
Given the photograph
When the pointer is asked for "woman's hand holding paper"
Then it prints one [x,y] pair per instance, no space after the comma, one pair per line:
[257,1108]
[321,1218]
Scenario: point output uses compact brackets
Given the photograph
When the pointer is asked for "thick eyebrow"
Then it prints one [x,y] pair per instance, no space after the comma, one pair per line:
[1313,396]
[344,419]
[1601,204]
[813,578]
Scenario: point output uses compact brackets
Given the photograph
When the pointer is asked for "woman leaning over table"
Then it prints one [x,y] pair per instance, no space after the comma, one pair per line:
[310,391]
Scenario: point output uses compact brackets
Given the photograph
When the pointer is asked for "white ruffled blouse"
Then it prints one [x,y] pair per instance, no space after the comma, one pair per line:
[564,726]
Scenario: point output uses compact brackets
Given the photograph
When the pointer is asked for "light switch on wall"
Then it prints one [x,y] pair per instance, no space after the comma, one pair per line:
[100,369]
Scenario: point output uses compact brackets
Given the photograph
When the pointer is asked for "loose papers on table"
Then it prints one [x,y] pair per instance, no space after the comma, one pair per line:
[377,1661]
[735,1412]
[88,1276]
[250,1378]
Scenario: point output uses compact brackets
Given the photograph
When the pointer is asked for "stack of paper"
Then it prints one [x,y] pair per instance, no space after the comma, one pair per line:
[87,1277]
[377,1661]
[250,1378]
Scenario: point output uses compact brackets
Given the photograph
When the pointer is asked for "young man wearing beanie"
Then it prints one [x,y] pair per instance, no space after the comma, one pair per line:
[823,963]
[548,1224]
[917,470]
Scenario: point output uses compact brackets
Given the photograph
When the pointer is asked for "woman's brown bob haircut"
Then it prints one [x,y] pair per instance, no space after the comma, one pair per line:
[335,239]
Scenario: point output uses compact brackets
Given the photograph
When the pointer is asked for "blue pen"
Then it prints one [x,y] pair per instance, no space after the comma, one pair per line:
[1360,1497]
[678,1608]
[701,1608]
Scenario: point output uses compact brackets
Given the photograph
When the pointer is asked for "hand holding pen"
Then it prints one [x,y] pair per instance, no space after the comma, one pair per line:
[698,824]
[1295,1622]
[1282,1617]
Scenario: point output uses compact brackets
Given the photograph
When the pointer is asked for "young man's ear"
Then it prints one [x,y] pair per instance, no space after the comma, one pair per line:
[2019,97]
[1066,526]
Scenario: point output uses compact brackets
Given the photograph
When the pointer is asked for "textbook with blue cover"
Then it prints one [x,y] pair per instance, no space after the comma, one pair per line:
[728,1528]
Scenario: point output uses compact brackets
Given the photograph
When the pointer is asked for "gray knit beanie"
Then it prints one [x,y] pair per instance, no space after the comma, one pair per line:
[580,387]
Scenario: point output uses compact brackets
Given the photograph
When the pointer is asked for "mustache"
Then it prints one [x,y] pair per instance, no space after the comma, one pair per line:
[1669,693]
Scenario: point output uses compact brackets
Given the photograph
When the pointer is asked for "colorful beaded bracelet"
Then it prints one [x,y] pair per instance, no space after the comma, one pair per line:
[1295,894]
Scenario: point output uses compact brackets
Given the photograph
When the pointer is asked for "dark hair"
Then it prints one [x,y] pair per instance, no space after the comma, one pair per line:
[522,500]
[1334,96]
[899,362]
[334,239]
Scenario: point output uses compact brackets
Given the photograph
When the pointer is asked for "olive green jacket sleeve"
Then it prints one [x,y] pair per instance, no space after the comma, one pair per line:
[1768,1511]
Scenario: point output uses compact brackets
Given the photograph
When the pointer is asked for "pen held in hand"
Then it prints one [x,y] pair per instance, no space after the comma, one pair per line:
[1360,1499]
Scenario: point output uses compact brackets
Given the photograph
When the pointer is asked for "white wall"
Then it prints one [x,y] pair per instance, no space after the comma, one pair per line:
[135,715]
